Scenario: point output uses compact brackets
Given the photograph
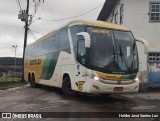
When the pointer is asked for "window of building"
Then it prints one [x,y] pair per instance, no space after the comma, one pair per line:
[116,18]
[153,57]
[121,14]
[154,11]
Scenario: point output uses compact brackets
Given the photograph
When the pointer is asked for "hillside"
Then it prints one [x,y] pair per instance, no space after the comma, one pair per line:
[10,61]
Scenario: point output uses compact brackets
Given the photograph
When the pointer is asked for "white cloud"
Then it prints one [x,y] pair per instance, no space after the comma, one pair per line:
[11,28]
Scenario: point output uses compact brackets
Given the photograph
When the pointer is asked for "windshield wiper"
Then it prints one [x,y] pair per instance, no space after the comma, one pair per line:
[125,59]
[113,65]
[133,53]
[114,54]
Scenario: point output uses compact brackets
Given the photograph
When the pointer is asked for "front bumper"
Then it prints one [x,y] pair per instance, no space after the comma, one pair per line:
[93,86]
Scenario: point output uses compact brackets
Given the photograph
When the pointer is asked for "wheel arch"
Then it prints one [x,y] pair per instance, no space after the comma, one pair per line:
[64,76]
[72,92]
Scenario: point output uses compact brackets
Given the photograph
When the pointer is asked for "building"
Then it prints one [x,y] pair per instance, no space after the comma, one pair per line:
[142,17]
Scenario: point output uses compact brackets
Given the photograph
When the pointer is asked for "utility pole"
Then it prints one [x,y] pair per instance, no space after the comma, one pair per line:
[25,39]
[24,16]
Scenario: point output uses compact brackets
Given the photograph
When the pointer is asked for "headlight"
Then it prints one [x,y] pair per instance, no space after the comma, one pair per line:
[96,78]
[136,79]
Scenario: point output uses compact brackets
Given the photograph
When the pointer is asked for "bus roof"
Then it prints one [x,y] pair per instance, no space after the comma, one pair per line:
[90,23]
[100,24]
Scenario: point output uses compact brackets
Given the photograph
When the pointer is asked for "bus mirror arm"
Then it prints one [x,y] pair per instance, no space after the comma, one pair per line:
[86,37]
[145,43]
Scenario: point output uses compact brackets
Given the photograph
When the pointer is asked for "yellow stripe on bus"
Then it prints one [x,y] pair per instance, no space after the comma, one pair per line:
[106,76]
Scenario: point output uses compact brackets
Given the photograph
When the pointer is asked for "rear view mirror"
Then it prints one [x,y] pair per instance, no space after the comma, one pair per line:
[87,38]
[145,43]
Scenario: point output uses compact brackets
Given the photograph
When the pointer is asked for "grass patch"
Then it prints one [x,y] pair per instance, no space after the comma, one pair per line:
[6,85]
[9,79]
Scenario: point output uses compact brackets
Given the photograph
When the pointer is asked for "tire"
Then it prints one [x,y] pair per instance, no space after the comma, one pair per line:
[32,82]
[66,87]
[29,78]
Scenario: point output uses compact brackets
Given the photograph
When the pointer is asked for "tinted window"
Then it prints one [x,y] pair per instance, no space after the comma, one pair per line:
[126,49]
[30,51]
[74,30]
[63,40]
[46,46]
[101,51]
[40,48]
[51,44]
[81,52]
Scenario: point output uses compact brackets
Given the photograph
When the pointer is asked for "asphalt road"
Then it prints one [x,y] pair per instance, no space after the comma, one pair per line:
[47,99]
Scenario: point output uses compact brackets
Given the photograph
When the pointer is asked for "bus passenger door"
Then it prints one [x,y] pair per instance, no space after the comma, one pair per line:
[81,69]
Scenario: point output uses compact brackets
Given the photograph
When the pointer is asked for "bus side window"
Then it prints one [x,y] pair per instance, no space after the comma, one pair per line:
[81,52]
[64,41]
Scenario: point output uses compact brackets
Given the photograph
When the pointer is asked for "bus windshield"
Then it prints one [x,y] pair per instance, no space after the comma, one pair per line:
[112,50]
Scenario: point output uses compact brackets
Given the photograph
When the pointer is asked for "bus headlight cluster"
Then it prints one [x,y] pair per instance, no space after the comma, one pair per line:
[136,79]
[96,78]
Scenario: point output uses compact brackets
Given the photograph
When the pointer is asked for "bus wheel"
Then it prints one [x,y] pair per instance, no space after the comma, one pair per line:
[32,82]
[29,78]
[66,87]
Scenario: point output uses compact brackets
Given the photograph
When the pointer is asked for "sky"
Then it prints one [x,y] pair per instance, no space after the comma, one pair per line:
[12,28]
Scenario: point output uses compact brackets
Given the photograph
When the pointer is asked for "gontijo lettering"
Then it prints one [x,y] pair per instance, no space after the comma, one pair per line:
[35,62]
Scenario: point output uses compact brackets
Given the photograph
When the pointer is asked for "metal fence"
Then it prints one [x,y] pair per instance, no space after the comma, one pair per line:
[10,73]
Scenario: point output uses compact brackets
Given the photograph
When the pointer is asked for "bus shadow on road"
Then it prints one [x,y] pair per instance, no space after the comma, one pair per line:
[114,102]
[94,98]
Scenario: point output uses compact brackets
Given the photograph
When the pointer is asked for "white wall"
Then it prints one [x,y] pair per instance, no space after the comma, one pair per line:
[136,18]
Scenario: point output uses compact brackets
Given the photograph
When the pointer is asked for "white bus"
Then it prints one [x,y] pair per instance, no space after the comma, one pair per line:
[84,56]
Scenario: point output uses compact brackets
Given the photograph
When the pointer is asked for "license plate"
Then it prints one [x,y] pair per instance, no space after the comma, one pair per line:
[118,89]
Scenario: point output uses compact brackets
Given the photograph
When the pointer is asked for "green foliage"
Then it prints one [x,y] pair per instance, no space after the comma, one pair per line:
[9,79]
[6,85]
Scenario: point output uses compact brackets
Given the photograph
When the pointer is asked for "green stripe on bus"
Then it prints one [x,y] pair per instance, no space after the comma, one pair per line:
[49,66]
[129,76]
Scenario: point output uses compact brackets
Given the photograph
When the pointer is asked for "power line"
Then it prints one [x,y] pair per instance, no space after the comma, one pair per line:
[33,34]
[19,5]
[14,26]
[33,6]
[35,31]
[73,16]
[37,5]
